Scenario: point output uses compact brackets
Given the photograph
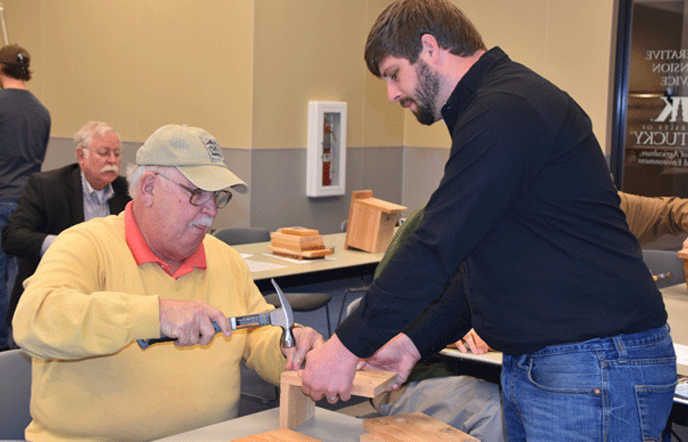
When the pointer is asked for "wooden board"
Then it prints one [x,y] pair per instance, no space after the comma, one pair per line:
[367,383]
[297,241]
[414,427]
[299,231]
[305,254]
[281,435]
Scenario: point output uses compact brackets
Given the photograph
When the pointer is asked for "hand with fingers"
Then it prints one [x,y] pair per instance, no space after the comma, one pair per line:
[399,355]
[306,339]
[473,343]
[191,322]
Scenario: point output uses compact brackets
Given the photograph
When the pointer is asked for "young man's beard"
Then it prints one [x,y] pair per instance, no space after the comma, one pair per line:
[426,93]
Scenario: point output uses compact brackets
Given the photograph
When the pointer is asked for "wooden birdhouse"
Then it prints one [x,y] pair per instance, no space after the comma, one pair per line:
[371,222]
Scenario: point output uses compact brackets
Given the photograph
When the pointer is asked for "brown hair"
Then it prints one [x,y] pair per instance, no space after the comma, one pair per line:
[398,31]
[14,61]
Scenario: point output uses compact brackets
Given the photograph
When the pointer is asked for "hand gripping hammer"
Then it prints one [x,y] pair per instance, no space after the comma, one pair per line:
[281,317]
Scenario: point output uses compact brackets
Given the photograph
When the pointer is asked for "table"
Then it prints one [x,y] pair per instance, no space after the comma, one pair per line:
[328,426]
[288,272]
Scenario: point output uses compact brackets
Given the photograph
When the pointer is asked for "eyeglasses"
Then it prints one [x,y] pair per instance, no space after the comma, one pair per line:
[200,197]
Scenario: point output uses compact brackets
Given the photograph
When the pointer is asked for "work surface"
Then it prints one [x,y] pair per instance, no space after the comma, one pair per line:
[291,272]
[328,426]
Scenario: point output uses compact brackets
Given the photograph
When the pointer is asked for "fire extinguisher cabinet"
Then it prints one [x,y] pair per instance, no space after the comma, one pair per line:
[326,168]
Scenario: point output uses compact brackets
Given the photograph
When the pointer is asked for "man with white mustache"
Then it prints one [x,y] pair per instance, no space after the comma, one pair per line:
[152,270]
[57,199]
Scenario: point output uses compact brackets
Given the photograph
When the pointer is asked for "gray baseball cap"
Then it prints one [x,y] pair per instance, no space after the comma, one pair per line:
[194,152]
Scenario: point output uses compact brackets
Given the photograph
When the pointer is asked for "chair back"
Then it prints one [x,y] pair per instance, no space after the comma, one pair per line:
[15,393]
[663,261]
[242,235]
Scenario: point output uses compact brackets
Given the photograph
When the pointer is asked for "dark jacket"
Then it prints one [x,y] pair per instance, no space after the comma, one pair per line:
[52,201]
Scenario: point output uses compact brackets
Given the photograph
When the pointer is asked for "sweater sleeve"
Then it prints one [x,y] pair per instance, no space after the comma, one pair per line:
[64,312]
[650,218]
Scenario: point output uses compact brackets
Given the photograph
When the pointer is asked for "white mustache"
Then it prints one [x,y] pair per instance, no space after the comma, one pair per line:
[204,222]
[110,168]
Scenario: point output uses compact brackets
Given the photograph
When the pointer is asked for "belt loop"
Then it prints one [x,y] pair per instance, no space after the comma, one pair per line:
[620,348]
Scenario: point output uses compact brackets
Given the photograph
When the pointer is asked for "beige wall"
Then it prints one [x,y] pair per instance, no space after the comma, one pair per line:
[568,42]
[246,69]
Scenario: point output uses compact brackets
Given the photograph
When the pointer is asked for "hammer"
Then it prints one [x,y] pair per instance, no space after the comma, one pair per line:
[281,317]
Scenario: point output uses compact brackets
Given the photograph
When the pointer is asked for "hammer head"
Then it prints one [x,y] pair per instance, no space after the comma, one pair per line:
[283,317]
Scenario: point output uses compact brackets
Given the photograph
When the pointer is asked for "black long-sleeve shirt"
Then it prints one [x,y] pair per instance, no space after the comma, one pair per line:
[527,213]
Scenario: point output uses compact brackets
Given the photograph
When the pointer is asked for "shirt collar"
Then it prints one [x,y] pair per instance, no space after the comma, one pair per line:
[143,254]
[469,84]
[103,195]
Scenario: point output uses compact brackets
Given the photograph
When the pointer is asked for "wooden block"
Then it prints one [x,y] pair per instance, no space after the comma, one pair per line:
[299,231]
[305,254]
[281,435]
[295,407]
[414,427]
[302,242]
[292,246]
[367,383]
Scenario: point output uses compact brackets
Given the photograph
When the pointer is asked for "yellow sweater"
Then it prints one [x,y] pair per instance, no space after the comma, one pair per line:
[79,318]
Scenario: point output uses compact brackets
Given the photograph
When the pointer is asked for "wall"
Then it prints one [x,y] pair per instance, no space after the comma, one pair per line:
[245,70]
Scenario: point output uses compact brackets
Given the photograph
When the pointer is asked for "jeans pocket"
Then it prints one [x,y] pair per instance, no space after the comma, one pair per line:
[574,372]
[654,405]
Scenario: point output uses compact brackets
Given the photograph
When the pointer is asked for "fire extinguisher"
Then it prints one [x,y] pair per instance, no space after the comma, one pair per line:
[327,152]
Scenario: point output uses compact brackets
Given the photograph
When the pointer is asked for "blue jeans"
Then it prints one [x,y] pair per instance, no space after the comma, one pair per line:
[617,389]
[7,263]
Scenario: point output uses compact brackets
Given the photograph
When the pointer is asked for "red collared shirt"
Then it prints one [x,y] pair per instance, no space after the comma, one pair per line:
[143,254]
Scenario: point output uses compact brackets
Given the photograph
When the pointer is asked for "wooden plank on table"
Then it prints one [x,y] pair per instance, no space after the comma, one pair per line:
[414,427]
[297,240]
[281,435]
[367,383]
[295,246]
[299,231]
[306,254]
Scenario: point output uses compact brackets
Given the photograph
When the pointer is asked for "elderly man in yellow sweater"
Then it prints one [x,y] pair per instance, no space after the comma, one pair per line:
[147,271]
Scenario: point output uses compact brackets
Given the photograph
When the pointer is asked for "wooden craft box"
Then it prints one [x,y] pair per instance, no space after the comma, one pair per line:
[371,222]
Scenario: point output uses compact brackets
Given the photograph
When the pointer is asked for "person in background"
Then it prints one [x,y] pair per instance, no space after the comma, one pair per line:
[151,270]
[58,199]
[650,218]
[24,134]
[528,215]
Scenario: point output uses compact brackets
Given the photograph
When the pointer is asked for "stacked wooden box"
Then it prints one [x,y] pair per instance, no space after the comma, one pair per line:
[298,242]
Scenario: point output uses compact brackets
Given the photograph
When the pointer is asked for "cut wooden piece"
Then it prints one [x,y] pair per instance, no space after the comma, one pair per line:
[414,427]
[299,231]
[367,383]
[296,408]
[305,254]
[301,242]
[281,435]
[371,222]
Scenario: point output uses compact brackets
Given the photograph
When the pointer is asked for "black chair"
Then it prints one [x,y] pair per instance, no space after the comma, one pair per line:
[242,235]
[15,393]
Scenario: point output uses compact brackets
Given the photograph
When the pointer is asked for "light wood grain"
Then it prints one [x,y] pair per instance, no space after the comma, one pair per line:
[281,435]
[414,427]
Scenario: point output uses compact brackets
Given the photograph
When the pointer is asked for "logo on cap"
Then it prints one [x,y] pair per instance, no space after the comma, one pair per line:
[214,150]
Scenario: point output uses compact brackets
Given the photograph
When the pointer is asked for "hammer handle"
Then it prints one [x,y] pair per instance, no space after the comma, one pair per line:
[236,322]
